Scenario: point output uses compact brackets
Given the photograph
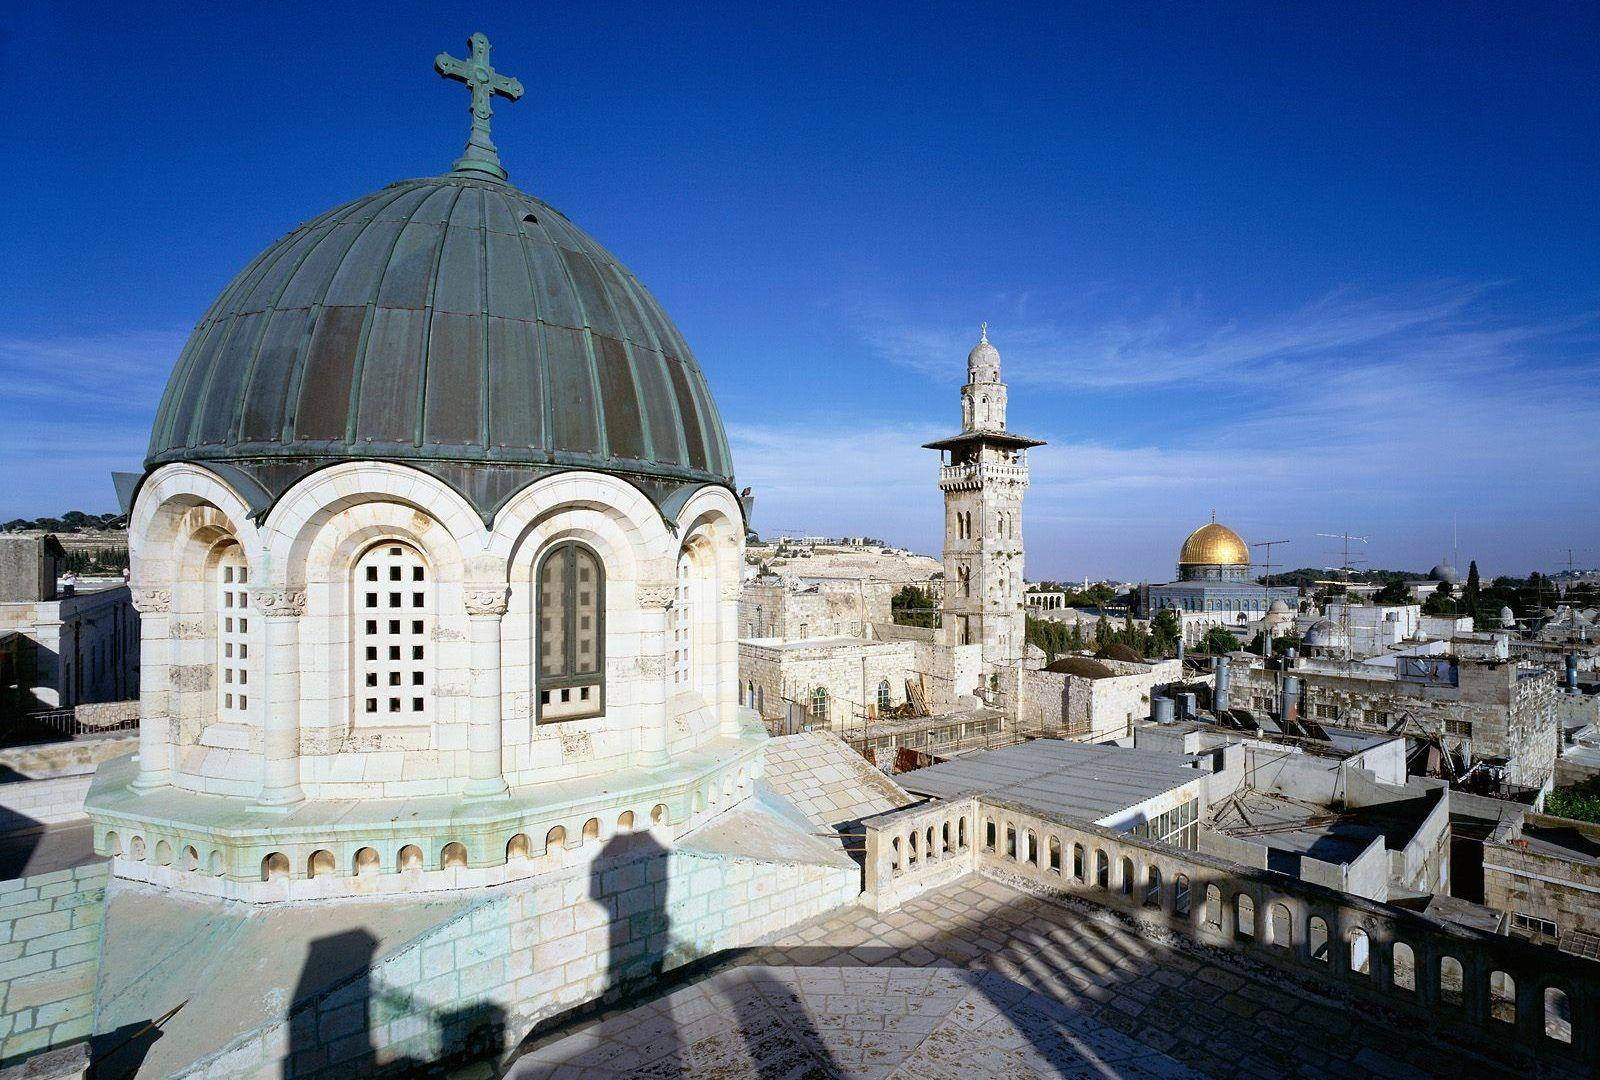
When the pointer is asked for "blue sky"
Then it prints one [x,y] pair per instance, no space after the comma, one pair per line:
[1319,267]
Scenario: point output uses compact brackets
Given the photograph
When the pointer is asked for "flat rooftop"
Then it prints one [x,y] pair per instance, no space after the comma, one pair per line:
[978,981]
[1291,828]
[1079,781]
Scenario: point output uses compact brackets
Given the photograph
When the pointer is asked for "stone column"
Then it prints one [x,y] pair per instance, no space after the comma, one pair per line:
[486,605]
[155,687]
[727,682]
[280,610]
[655,607]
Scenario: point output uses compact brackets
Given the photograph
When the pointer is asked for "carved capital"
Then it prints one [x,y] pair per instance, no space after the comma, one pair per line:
[656,596]
[152,601]
[280,603]
[486,600]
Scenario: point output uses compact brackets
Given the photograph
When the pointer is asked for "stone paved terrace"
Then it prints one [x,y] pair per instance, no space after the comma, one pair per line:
[977,979]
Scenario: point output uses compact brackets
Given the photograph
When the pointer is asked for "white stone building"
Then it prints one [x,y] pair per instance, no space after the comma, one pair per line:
[438,555]
[61,647]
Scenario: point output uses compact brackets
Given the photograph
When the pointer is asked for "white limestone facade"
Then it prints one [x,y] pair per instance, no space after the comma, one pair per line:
[371,641]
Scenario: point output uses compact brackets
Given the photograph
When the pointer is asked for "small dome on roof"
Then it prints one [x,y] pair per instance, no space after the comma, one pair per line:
[1508,618]
[1324,634]
[1278,608]
[983,362]
[1445,572]
[1081,666]
[1118,651]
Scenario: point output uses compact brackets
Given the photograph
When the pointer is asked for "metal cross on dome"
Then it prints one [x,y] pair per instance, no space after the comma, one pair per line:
[480,155]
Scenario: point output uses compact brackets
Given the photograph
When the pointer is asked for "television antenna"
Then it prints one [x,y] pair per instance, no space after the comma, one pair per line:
[1347,561]
[1269,564]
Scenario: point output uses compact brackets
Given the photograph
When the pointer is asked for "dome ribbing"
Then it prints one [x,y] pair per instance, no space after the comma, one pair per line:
[443,322]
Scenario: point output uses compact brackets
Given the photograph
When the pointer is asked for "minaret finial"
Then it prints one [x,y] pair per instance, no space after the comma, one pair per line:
[480,155]
[983,332]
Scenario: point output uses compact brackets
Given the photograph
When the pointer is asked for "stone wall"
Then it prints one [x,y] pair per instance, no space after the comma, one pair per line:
[772,676]
[1540,883]
[480,981]
[80,648]
[1496,711]
[1092,710]
[46,783]
[49,954]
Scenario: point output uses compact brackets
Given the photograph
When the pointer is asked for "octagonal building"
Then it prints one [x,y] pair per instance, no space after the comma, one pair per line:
[437,554]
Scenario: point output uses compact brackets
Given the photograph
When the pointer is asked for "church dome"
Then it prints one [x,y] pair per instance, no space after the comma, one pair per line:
[1214,545]
[453,323]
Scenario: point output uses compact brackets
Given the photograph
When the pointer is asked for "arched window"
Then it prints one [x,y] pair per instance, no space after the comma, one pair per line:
[394,625]
[1502,997]
[1403,966]
[885,702]
[819,705]
[233,635]
[1244,908]
[1360,952]
[1280,926]
[1317,939]
[570,633]
[1452,982]
[1557,1014]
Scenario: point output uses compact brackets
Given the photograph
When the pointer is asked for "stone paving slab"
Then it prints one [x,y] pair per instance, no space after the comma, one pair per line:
[894,1023]
[997,983]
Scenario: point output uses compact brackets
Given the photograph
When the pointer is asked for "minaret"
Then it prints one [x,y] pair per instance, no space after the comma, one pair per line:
[983,477]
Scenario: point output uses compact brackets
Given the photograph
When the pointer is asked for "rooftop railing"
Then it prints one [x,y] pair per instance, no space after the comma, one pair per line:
[1487,986]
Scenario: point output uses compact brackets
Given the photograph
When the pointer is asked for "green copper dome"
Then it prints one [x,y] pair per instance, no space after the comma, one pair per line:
[453,323]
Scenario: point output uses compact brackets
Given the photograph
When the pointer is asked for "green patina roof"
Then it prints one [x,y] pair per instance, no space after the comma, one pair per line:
[454,323]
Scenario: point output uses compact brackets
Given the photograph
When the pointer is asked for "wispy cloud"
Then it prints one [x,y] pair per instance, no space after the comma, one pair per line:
[74,409]
[1391,414]
[1180,344]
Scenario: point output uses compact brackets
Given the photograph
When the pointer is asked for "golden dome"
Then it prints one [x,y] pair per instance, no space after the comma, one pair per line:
[1214,545]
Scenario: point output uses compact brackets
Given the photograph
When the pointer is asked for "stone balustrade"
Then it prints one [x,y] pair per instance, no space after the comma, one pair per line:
[972,474]
[917,848]
[1487,984]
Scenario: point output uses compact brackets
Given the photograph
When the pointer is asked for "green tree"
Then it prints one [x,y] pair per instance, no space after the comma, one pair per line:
[1217,641]
[1396,592]
[912,606]
[1102,632]
[1441,601]
[1165,631]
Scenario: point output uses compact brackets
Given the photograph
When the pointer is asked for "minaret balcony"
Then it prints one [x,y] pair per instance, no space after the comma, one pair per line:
[971,475]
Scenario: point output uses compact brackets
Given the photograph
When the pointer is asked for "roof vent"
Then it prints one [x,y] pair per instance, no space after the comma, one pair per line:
[530,218]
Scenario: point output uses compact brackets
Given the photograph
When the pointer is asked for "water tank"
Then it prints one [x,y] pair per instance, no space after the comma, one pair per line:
[1289,707]
[1186,707]
[1161,710]
[1219,696]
